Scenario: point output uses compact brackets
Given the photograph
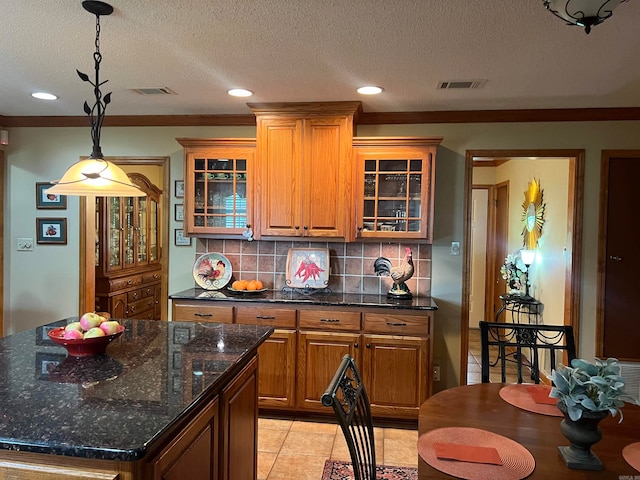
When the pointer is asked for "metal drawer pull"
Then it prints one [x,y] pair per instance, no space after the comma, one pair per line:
[266,317]
[330,320]
[203,314]
[391,324]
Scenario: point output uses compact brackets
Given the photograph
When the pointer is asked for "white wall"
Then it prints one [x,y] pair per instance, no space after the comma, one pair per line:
[42,285]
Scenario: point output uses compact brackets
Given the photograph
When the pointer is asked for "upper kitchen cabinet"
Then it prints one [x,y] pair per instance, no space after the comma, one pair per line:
[218,185]
[304,179]
[395,182]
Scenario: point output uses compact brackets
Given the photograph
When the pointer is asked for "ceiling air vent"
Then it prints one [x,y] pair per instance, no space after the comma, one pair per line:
[461,84]
[154,91]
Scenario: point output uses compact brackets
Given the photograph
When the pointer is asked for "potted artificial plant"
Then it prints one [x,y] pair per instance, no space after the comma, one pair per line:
[587,393]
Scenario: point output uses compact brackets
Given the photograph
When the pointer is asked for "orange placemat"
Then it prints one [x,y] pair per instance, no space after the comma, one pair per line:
[517,461]
[520,395]
[631,453]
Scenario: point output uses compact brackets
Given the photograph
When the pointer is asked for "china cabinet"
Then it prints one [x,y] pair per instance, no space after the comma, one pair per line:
[395,181]
[304,182]
[128,253]
[218,185]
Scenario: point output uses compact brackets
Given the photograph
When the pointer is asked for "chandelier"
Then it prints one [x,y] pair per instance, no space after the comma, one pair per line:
[96,176]
[583,13]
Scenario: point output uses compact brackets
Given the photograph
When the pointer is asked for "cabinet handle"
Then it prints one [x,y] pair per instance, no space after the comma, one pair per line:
[203,314]
[129,282]
[135,294]
[355,345]
[391,324]
[368,345]
[156,276]
[297,227]
[305,227]
[133,308]
[360,228]
[248,226]
[330,320]
[266,317]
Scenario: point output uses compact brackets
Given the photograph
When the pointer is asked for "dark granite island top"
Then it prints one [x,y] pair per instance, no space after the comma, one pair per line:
[320,298]
[120,405]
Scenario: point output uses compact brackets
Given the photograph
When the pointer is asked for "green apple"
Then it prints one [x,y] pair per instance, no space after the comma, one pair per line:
[94,332]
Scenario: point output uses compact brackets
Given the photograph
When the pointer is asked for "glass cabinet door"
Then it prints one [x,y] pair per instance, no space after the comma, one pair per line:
[114,235]
[129,231]
[141,230]
[153,231]
[220,194]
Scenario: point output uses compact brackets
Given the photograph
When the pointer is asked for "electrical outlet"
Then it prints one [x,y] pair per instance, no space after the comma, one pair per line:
[436,373]
[25,244]
[455,248]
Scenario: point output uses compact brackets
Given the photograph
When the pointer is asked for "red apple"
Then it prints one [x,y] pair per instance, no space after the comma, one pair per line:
[110,327]
[94,332]
[90,320]
[73,326]
[73,335]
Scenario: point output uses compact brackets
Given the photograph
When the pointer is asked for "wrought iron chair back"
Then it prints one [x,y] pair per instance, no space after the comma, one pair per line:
[523,344]
[348,397]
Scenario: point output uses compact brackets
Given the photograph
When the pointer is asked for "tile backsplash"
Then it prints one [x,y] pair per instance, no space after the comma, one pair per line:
[351,263]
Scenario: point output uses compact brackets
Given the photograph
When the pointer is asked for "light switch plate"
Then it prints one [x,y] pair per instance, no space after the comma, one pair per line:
[455,248]
[25,244]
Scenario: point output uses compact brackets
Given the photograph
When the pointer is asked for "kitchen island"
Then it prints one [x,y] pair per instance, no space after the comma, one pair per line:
[167,400]
[390,339]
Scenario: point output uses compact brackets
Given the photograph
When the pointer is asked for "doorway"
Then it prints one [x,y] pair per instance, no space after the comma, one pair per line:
[152,167]
[571,254]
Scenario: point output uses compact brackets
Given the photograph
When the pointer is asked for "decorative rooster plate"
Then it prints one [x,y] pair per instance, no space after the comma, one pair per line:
[212,271]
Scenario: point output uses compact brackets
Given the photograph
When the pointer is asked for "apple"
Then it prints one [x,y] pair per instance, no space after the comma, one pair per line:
[73,326]
[90,320]
[73,335]
[110,327]
[94,332]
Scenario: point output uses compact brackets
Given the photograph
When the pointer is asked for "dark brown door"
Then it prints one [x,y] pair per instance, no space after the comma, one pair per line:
[621,330]
[499,245]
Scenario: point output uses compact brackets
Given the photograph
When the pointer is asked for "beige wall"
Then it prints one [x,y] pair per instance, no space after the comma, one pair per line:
[42,285]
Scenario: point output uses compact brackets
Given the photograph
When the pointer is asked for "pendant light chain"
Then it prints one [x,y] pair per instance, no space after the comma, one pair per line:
[99,107]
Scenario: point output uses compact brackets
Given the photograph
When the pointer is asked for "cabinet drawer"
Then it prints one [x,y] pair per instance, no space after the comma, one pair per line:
[140,306]
[396,324]
[149,291]
[200,312]
[277,317]
[151,277]
[330,319]
[122,283]
[134,295]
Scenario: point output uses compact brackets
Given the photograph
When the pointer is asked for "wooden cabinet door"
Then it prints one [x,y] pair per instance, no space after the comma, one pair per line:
[194,453]
[239,426]
[119,306]
[319,355]
[279,181]
[327,176]
[277,367]
[395,374]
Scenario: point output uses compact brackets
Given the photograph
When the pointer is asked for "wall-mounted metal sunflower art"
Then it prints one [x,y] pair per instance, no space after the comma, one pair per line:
[532,215]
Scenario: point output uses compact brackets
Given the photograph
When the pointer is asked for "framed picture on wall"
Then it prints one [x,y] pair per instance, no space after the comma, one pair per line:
[180,239]
[51,231]
[49,200]
[179,212]
[179,188]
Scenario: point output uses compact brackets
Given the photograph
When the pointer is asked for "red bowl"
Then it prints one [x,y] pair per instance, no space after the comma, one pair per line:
[83,347]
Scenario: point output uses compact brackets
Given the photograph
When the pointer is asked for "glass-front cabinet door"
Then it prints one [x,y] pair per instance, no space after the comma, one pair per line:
[218,185]
[395,187]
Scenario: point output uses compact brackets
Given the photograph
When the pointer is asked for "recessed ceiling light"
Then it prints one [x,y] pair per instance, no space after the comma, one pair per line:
[240,92]
[44,96]
[370,90]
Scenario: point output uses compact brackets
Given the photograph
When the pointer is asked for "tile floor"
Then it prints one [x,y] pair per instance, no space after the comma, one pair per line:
[296,449]
[474,372]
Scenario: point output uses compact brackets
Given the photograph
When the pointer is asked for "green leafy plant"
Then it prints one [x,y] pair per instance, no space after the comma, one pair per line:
[594,387]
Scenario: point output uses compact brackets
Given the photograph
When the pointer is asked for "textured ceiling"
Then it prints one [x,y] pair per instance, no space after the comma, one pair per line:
[315,50]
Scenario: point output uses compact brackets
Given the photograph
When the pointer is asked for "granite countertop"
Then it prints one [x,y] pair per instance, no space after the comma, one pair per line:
[320,298]
[114,406]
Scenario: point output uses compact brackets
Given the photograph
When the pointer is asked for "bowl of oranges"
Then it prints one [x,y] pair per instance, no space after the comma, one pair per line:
[246,286]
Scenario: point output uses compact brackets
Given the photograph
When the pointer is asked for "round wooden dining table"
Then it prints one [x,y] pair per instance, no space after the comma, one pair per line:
[480,406]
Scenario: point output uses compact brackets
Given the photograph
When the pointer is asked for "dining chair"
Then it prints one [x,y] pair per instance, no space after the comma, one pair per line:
[348,397]
[523,344]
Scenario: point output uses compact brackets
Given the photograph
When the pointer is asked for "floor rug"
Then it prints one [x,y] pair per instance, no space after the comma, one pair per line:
[337,470]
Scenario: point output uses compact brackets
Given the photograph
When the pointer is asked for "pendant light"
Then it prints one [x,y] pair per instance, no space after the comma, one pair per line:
[583,13]
[96,176]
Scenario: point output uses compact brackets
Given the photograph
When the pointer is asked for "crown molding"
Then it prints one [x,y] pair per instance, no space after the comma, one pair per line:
[370,118]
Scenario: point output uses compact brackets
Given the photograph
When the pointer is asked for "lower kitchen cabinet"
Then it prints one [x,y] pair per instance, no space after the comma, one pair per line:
[394,373]
[319,354]
[277,367]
